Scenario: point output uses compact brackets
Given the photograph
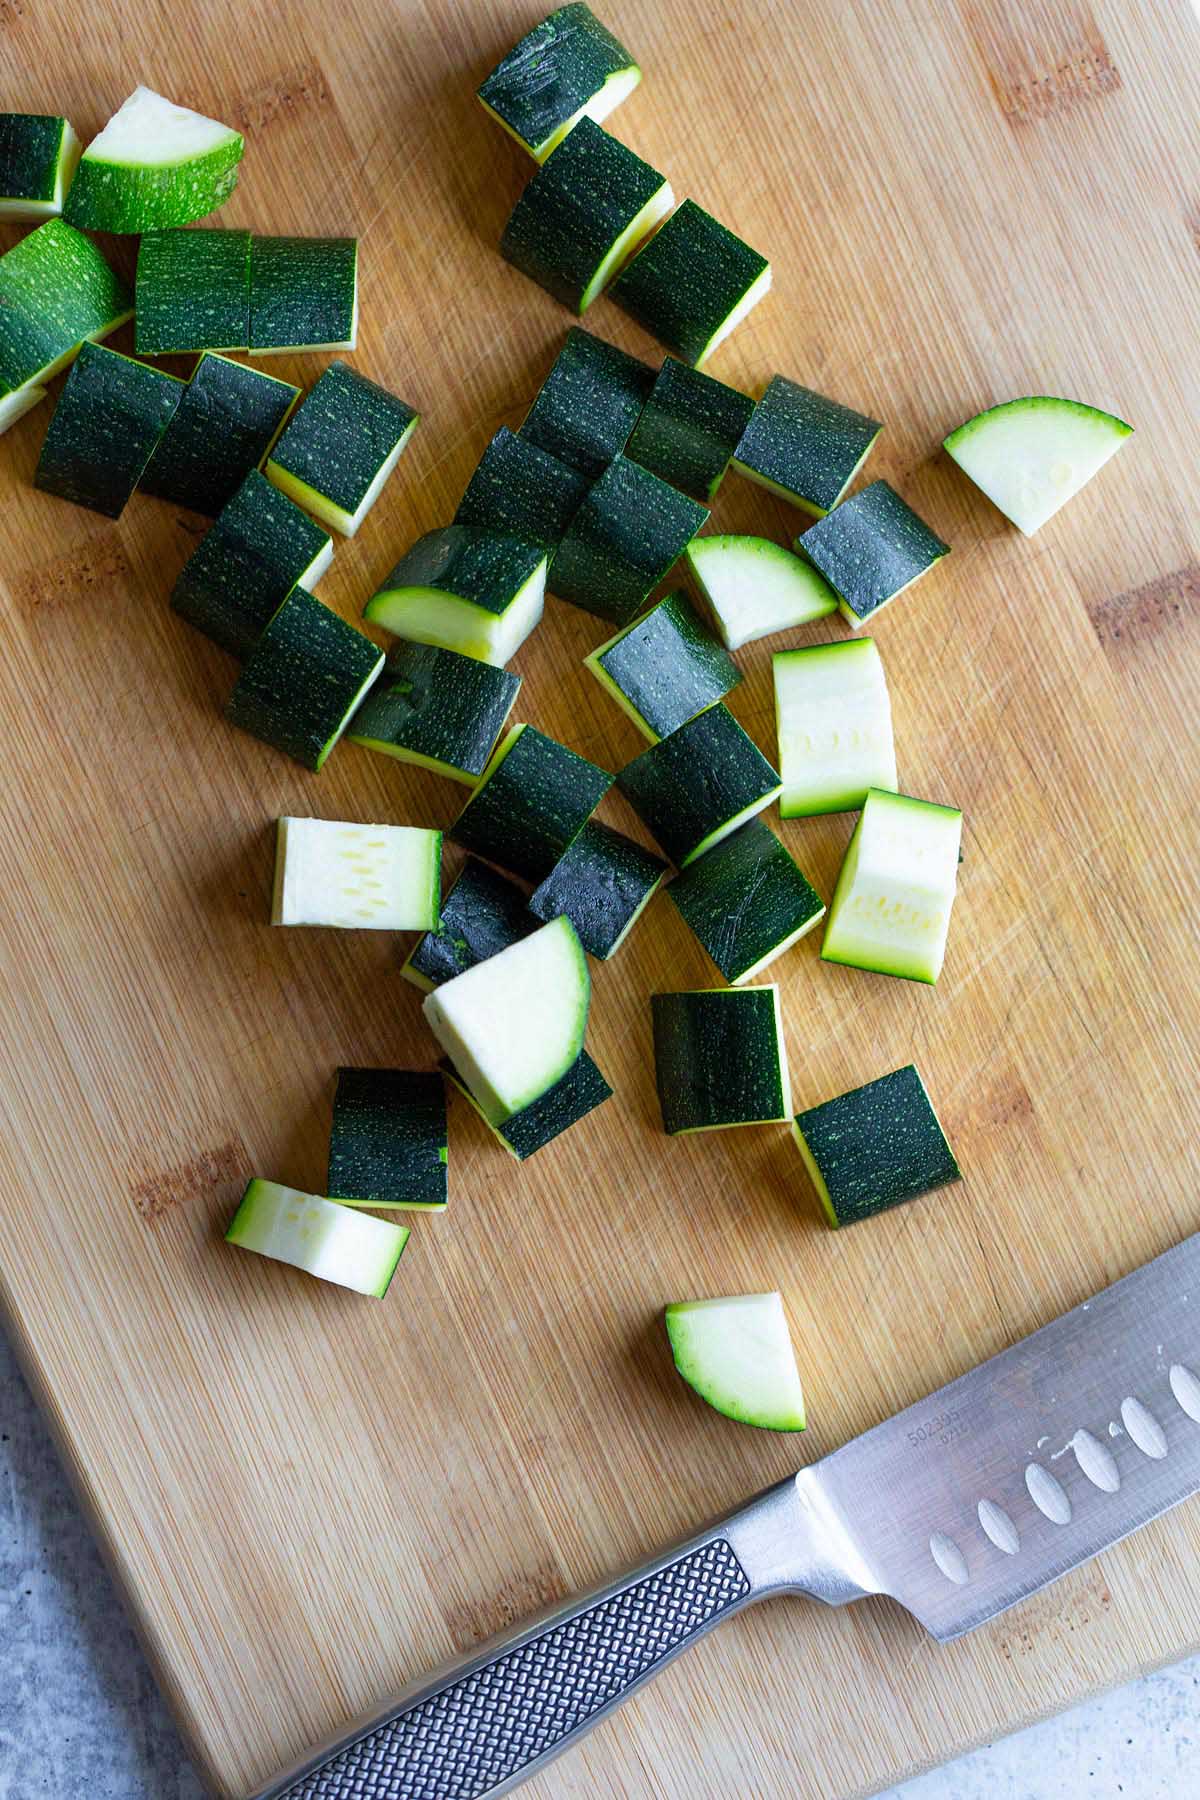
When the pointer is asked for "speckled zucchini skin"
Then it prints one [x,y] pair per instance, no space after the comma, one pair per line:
[580,1091]
[55,290]
[806,444]
[521,490]
[485,567]
[601,882]
[438,706]
[696,780]
[300,681]
[570,215]
[716,1058]
[302,291]
[690,428]
[683,284]
[876,1146]
[588,404]
[222,428]
[669,666]
[246,565]
[110,415]
[482,914]
[744,898]
[554,70]
[193,291]
[629,531]
[869,548]
[30,148]
[388,1141]
[126,198]
[341,435]
[532,806]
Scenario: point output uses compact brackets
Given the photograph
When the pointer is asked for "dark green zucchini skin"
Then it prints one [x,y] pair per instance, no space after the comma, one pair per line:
[222,428]
[341,435]
[588,404]
[30,144]
[586,193]
[55,289]
[626,536]
[192,291]
[696,780]
[580,1091]
[482,914]
[437,704]
[716,1058]
[743,897]
[301,679]
[805,443]
[870,547]
[110,415]
[535,804]
[683,284]
[302,291]
[521,491]
[600,882]
[690,428]
[485,567]
[878,1145]
[554,70]
[388,1141]
[246,565]
[669,666]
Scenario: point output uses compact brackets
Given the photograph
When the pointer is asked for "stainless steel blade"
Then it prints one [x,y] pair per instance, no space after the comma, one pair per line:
[1031,1463]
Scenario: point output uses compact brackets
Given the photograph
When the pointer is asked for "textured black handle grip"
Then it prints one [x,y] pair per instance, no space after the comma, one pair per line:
[485,1728]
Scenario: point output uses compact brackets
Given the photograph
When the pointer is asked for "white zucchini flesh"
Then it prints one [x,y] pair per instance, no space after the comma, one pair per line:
[891,909]
[317,567]
[356,877]
[434,616]
[513,1025]
[626,242]
[756,587]
[760,286]
[737,1354]
[616,87]
[834,720]
[335,1243]
[14,406]
[149,131]
[1031,456]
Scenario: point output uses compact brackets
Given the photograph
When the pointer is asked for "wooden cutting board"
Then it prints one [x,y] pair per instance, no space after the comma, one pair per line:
[310,1497]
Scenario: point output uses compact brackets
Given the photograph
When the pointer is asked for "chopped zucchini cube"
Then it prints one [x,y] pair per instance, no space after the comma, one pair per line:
[568,68]
[747,901]
[629,532]
[387,1146]
[436,709]
[38,156]
[334,1243]
[834,720]
[602,882]
[804,447]
[699,784]
[736,1352]
[530,804]
[303,680]
[874,1147]
[303,294]
[588,207]
[588,404]
[342,444]
[227,419]
[109,418]
[689,429]
[193,292]
[692,283]
[891,908]
[521,491]
[1031,456]
[477,592]
[580,1091]
[870,549]
[664,668]
[483,912]
[755,587]
[356,877]
[56,293]
[720,1059]
[154,164]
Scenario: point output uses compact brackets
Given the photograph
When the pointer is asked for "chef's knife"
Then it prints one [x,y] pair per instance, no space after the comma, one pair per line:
[958,1508]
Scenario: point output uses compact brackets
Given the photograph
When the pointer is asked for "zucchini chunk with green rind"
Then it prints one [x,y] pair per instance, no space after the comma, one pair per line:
[869,549]
[387,1146]
[436,709]
[521,491]
[803,447]
[567,68]
[602,882]
[719,1058]
[513,1025]
[303,294]
[692,283]
[664,668]
[530,804]
[580,1091]
[588,404]
[737,1354]
[1031,456]
[247,564]
[874,1147]
[227,419]
[56,293]
[588,207]
[38,155]
[154,164]
[109,418]
[193,291]
[689,429]
[334,1243]
[356,877]
[699,784]
[891,908]
[629,532]
[755,587]
[747,901]
[477,592]
[303,680]
[834,721]
[482,913]
[340,447]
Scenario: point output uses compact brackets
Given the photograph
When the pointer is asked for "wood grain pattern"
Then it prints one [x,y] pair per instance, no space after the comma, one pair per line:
[308,1497]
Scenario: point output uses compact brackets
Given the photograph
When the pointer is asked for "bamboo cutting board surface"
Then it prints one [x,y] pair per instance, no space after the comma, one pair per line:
[310,1497]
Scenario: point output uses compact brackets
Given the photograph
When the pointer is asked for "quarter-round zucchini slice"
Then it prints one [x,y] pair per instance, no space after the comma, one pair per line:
[755,587]
[303,680]
[38,157]
[874,1147]
[193,291]
[334,1243]
[719,1058]
[387,1145]
[521,491]
[1031,456]
[588,404]
[834,720]
[474,591]
[690,427]
[891,909]
[570,67]
[747,901]
[629,532]
[869,549]
[580,1091]
[109,418]
[692,283]
[436,709]
[483,912]
[664,668]
[303,294]
[154,164]
[342,444]
[602,882]
[737,1354]
[803,447]
[530,803]
[356,877]
[56,293]
[227,419]
[699,784]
